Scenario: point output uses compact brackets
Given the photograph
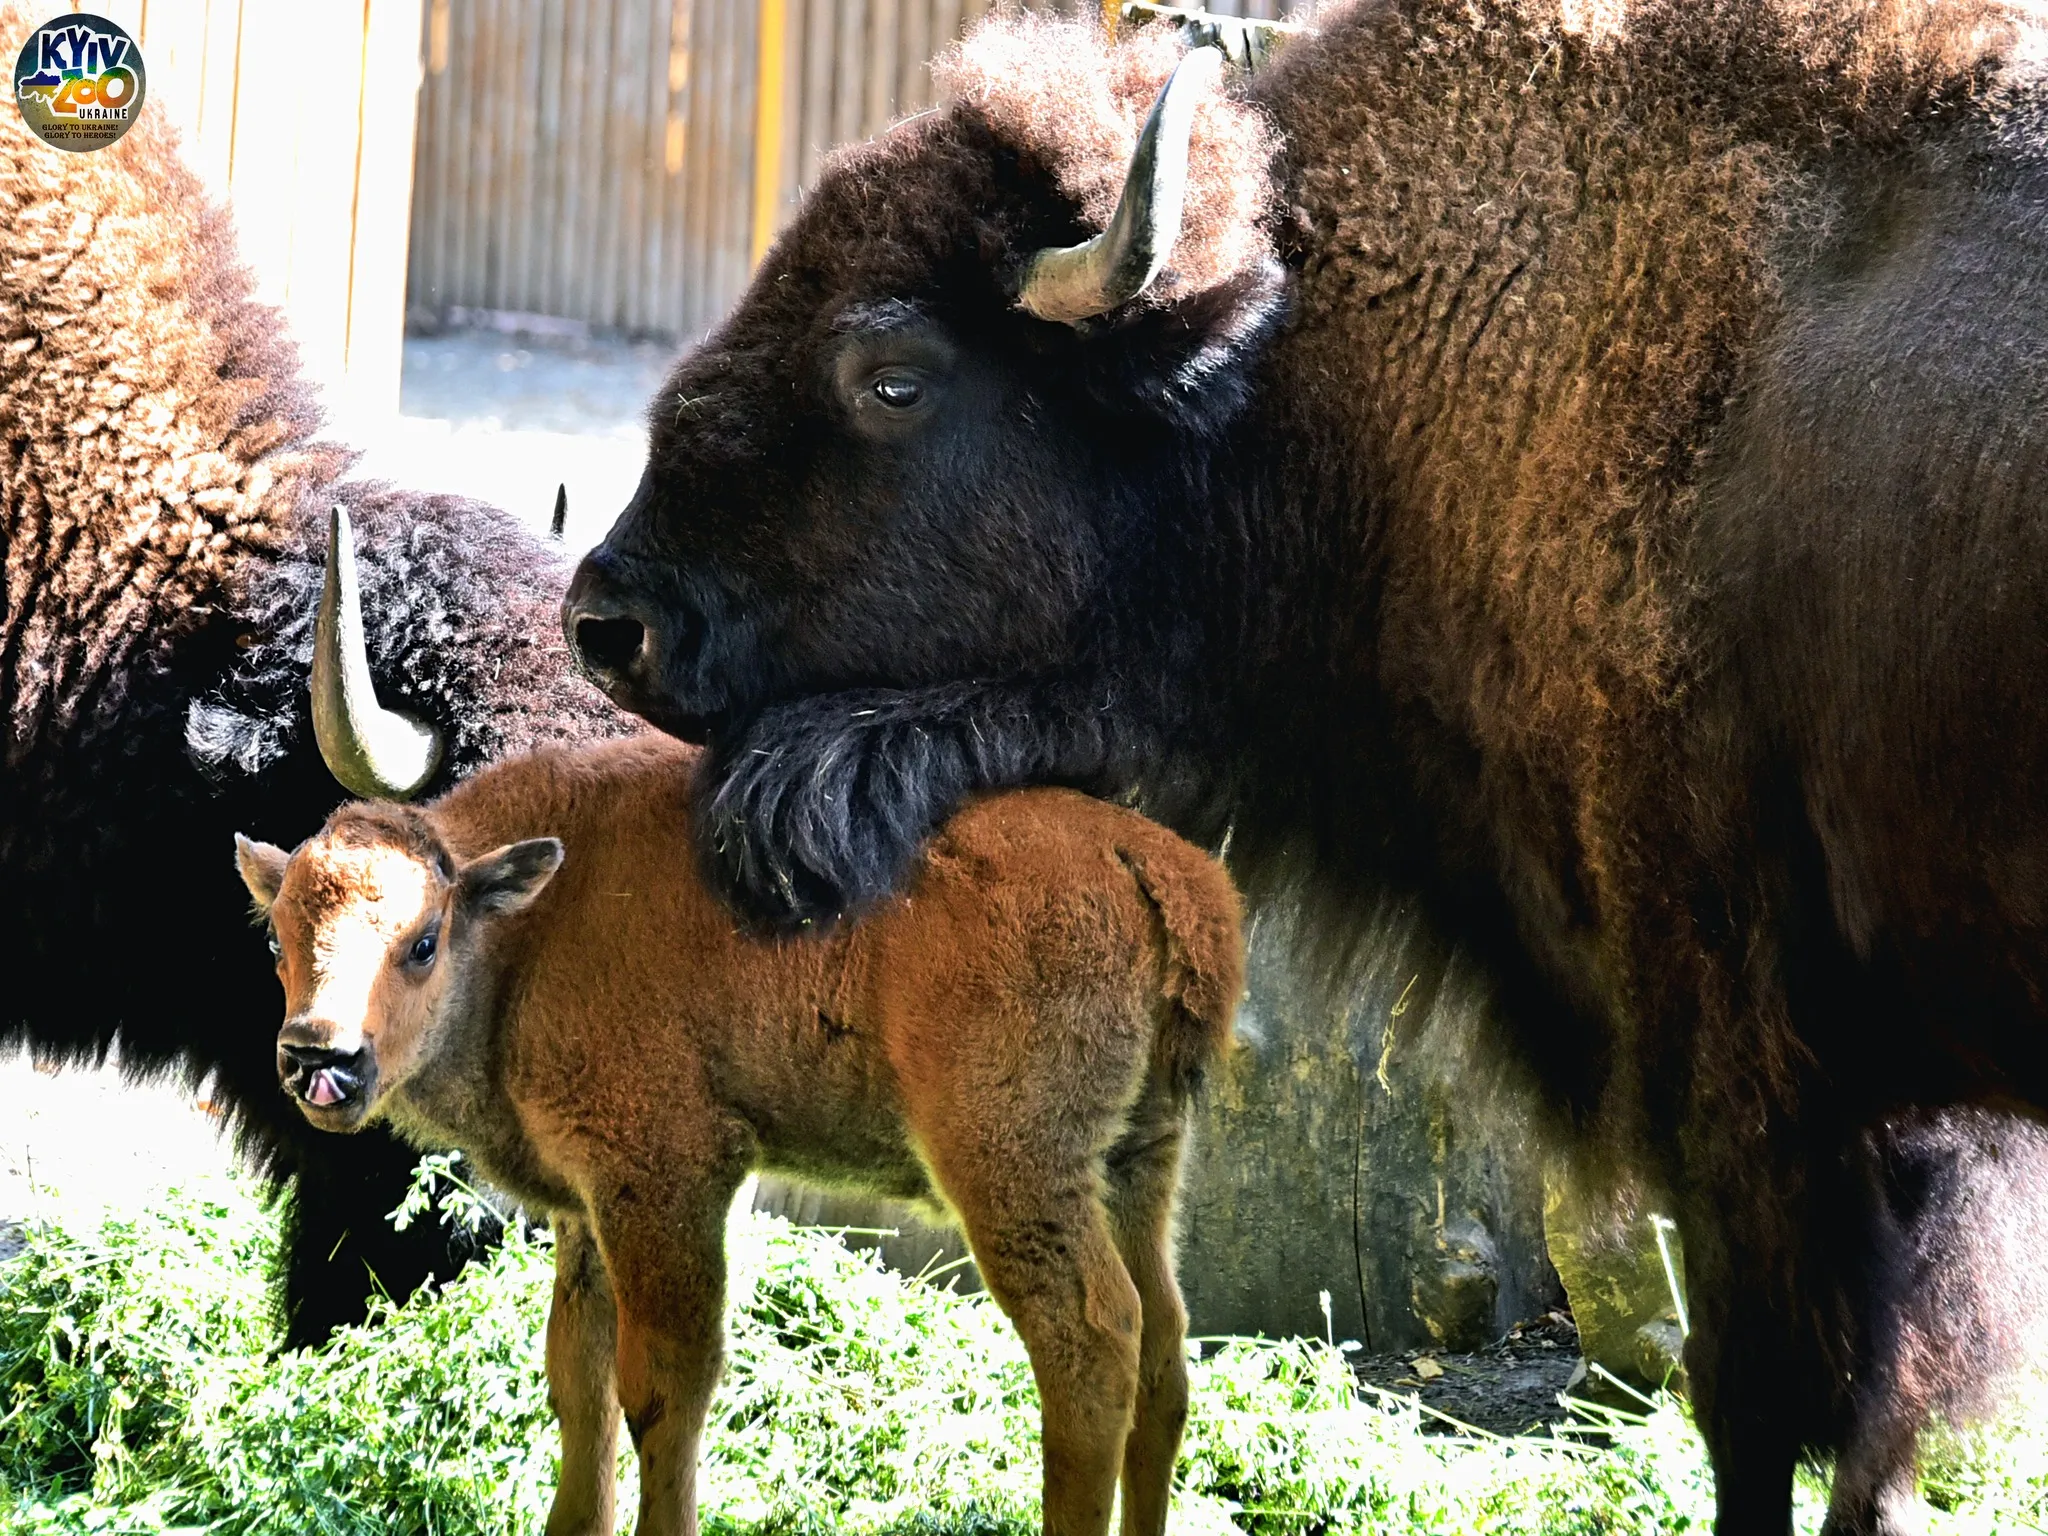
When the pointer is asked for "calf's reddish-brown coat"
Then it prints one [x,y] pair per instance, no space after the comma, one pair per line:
[1015,1038]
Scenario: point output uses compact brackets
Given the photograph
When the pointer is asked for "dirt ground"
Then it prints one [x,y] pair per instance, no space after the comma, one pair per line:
[1509,1389]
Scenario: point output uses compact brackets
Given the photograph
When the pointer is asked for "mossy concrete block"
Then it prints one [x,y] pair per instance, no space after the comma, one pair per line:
[1605,1251]
[1455,1293]
[1330,1155]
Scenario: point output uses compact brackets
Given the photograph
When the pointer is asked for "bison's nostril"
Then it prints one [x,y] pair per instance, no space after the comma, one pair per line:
[609,645]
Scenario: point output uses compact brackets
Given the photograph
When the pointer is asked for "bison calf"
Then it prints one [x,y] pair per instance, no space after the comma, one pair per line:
[521,971]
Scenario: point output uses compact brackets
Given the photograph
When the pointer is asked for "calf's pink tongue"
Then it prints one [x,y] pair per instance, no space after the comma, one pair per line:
[321,1090]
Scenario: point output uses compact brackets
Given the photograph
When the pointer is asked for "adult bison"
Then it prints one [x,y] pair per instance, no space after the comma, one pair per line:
[1581,470]
[164,512]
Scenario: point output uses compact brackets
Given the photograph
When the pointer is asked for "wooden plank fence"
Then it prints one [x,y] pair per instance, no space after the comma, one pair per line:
[301,116]
[622,163]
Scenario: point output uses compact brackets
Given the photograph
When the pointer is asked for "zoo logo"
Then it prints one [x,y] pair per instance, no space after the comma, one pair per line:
[79,82]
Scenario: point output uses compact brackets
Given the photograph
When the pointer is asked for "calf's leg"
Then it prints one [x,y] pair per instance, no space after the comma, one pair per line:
[1143,1173]
[582,1343]
[666,1257]
[1043,1244]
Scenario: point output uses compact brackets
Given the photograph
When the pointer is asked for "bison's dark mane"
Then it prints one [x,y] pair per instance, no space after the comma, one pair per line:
[163,505]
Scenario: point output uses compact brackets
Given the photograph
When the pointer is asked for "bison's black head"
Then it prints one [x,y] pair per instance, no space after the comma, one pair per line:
[905,525]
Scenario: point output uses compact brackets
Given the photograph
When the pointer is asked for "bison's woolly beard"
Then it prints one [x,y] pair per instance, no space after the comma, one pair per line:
[818,807]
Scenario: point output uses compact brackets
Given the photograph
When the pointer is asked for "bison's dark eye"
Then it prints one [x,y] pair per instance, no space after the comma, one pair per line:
[892,372]
[899,391]
[276,949]
[421,955]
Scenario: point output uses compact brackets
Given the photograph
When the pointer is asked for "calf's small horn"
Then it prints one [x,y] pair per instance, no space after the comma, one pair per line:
[372,750]
[1076,282]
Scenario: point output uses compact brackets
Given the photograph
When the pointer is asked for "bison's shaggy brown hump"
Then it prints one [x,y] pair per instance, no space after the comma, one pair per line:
[1545,237]
[152,420]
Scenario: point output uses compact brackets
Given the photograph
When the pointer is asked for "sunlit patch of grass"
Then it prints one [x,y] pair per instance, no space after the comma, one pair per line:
[138,1394]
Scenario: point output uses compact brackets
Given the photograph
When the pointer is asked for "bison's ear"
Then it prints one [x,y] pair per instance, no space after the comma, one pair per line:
[1190,363]
[507,879]
[262,866]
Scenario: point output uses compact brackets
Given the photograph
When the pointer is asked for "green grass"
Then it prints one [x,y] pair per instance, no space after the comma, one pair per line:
[137,1394]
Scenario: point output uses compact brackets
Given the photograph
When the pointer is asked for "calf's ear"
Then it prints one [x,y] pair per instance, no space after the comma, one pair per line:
[262,867]
[507,879]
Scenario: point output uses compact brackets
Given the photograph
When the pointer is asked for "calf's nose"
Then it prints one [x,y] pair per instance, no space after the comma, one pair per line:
[309,1035]
[315,1070]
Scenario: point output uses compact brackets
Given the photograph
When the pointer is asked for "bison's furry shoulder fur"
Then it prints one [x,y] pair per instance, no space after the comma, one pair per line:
[156,430]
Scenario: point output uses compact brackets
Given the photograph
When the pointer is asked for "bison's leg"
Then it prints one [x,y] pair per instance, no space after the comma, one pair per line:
[1042,1241]
[1877,1479]
[1945,1293]
[1143,1173]
[1752,1456]
[582,1343]
[665,1250]
[340,1247]
[1745,1376]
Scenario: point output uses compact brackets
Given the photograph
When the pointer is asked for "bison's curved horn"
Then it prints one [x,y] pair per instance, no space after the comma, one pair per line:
[1075,282]
[371,750]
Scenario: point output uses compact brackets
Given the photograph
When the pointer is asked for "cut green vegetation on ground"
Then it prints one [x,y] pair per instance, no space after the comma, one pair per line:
[138,1394]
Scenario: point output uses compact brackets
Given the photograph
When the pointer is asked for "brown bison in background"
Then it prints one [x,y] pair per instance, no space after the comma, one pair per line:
[1578,471]
[164,508]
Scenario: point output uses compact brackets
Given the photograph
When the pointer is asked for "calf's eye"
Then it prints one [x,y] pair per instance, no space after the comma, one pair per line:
[898,391]
[421,954]
[276,949]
